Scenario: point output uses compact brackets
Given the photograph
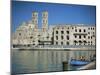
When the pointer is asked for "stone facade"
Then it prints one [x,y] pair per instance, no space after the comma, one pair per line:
[28,34]
[74,35]
[44,21]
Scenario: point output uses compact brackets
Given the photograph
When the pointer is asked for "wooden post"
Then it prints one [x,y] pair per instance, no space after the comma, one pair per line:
[65,66]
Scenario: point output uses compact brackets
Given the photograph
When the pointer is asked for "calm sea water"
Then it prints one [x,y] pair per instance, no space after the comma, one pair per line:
[33,61]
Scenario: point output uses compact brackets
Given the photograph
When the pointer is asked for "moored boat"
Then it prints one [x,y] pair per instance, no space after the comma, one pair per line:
[76,62]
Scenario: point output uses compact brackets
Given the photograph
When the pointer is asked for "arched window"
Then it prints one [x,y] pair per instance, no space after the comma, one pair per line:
[19,34]
[75,30]
[84,36]
[79,36]
[56,37]
[62,37]
[75,42]
[56,32]
[56,43]
[88,42]
[67,32]
[61,43]
[62,32]
[67,43]
[75,36]
[79,30]
[80,42]
[67,37]
[84,42]
[84,30]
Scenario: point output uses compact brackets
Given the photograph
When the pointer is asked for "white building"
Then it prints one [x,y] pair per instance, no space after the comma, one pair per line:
[74,35]
[28,34]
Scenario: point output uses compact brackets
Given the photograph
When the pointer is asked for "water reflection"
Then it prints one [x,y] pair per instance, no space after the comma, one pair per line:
[30,61]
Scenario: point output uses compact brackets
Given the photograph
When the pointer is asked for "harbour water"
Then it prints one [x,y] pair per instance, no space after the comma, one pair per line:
[36,61]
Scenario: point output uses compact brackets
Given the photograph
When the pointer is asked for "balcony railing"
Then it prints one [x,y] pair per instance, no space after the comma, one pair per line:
[80,33]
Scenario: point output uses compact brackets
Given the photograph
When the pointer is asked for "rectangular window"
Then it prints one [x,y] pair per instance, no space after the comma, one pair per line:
[93,32]
[61,43]
[67,43]
[31,37]
[88,37]
[67,37]
[56,32]
[43,21]
[56,37]
[88,32]
[79,30]
[75,36]
[56,43]
[46,21]
[91,37]
[84,30]
[79,36]
[62,37]
[43,15]
[62,32]
[67,32]
[62,27]
[20,34]
[84,36]
[88,42]
[75,30]
[91,43]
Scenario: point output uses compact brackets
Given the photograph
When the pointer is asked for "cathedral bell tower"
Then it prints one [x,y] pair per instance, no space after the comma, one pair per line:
[35,20]
[44,21]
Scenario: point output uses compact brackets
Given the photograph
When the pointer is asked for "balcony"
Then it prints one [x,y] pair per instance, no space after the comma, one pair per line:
[79,33]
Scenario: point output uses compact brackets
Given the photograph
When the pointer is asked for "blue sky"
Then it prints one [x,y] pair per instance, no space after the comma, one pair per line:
[58,13]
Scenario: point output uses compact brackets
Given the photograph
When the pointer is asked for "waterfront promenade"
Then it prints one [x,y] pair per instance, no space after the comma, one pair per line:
[58,47]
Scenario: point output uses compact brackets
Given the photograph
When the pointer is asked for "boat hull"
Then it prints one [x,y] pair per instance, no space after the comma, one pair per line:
[78,62]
